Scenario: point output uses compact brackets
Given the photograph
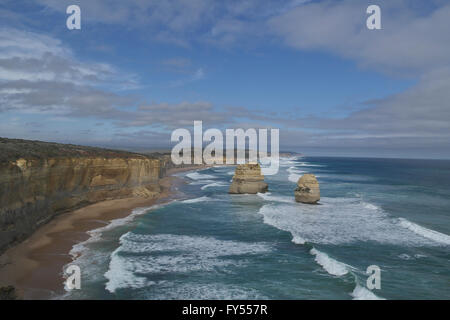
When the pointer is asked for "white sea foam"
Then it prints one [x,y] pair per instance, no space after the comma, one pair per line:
[269,197]
[330,265]
[120,274]
[289,161]
[405,256]
[424,232]
[294,177]
[362,293]
[140,256]
[293,169]
[338,221]
[199,176]
[195,200]
[209,291]
[370,206]
[346,178]
[202,182]
[214,184]
[83,257]
[294,174]
[298,240]
[96,234]
[307,164]
[339,269]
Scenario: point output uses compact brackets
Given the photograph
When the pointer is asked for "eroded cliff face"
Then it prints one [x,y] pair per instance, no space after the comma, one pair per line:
[32,191]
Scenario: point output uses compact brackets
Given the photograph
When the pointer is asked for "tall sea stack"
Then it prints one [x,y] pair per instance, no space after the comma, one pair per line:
[248,179]
[307,190]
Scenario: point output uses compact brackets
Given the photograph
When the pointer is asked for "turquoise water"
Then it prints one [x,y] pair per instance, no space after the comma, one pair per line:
[212,245]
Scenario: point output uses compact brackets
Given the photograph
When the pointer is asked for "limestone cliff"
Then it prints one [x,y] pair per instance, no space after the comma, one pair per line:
[248,179]
[307,190]
[40,180]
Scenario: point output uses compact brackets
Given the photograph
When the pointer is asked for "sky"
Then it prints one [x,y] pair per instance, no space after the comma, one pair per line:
[138,69]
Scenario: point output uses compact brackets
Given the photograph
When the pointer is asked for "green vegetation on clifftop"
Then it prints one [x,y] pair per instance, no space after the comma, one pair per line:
[13,149]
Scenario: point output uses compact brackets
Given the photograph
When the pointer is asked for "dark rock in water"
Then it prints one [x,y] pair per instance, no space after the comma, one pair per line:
[307,190]
[248,179]
[8,293]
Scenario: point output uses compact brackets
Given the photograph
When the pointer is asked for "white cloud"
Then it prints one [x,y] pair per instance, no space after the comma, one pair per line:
[409,42]
[182,22]
[412,43]
[39,74]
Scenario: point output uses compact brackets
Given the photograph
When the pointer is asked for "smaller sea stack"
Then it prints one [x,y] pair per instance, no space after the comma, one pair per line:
[248,179]
[307,190]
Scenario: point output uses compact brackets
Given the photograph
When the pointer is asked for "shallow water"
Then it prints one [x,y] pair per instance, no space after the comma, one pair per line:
[211,245]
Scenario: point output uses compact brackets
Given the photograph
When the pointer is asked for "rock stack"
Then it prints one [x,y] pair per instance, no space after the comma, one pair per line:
[307,190]
[248,179]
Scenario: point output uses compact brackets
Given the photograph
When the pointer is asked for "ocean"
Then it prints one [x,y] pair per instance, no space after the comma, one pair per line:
[391,213]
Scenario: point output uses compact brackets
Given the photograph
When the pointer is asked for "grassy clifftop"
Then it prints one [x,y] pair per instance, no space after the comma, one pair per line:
[13,149]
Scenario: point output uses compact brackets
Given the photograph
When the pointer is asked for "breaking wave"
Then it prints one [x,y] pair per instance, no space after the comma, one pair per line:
[343,220]
[362,293]
[294,174]
[424,232]
[307,164]
[199,176]
[269,197]
[96,234]
[214,184]
[330,265]
[195,200]
[141,256]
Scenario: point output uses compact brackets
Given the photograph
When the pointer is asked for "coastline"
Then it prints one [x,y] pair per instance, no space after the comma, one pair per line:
[34,266]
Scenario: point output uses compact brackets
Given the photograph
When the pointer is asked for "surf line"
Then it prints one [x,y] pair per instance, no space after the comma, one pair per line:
[199,310]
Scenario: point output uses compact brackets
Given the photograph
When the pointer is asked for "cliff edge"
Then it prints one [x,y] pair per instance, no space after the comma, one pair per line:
[39,180]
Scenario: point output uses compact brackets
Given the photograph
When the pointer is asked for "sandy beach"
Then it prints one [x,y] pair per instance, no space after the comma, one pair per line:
[35,266]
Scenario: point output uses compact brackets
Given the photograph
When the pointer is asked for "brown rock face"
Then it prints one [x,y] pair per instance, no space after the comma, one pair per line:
[307,190]
[32,191]
[248,179]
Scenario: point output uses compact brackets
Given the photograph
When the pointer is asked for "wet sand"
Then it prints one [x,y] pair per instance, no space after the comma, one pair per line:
[35,266]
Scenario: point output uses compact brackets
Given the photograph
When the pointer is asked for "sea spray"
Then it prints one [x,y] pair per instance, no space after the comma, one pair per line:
[199,176]
[330,265]
[339,221]
[425,232]
[140,257]
[196,200]
[214,184]
[362,293]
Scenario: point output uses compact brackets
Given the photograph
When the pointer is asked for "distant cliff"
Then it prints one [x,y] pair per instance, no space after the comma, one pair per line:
[39,180]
